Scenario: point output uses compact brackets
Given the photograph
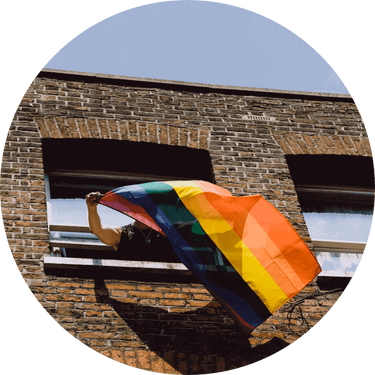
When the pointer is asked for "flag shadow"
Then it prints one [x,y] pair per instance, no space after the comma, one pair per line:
[203,332]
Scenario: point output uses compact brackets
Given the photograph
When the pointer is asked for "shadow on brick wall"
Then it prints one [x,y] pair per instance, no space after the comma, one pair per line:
[197,333]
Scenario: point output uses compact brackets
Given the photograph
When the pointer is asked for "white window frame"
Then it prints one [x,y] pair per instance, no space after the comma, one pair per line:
[354,248]
[338,247]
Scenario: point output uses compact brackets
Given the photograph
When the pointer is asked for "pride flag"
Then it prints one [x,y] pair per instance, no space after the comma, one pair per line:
[243,249]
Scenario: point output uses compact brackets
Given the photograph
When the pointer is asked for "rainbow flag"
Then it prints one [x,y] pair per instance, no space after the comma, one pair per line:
[243,249]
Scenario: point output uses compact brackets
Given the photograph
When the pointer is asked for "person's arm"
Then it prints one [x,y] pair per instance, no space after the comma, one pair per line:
[108,235]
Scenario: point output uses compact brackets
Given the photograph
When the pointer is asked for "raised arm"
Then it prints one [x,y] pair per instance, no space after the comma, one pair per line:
[108,235]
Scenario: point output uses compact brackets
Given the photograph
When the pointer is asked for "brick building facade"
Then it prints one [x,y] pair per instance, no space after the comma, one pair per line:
[248,141]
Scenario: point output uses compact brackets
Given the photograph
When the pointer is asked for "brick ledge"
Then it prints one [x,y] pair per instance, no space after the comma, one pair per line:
[189,85]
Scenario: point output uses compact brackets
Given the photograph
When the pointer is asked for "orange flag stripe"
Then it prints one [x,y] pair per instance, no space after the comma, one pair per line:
[232,246]
[291,274]
[286,238]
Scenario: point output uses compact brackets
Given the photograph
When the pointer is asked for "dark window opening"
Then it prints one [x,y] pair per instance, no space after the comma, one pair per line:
[332,183]
[329,283]
[340,170]
[336,194]
[76,167]
[127,157]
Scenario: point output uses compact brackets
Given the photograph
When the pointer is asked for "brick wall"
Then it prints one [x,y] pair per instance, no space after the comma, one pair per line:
[174,326]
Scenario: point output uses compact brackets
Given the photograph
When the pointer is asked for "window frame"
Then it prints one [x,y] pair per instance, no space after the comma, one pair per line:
[345,178]
[335,193]
[58,258]
[124,159]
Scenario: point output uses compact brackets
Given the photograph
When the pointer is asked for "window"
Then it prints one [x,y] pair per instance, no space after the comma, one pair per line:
[336,194]
[75,167]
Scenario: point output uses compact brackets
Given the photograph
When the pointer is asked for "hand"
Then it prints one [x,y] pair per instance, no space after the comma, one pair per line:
[92,199]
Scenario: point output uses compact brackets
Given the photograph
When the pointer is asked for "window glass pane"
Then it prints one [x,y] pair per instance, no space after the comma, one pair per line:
[73,211]
[338,264]
[73,237]
[332,226]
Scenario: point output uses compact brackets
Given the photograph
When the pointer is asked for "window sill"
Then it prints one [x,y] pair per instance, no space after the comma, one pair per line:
[92,268]
[338,259]
[339,247]
[62,263]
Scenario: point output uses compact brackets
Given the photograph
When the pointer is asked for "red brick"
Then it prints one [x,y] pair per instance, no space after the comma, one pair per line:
[284,146]
[203,142]
[177,295]
[293,145]
[182,366]
[157,364]
[166,288]
[120,286]
[43,129]
[144,287]
[130,361]
[64,284]
[100,343]
[202,297]
[123,130]
[163,134]
[170,302]
[366,145]
[173,132]
[133,131]
[91,313]
[81,122]
[110,314]
[192,362]
[197,303]
[85,291]
[254,341]
[169,362]
[208,363]
[58,297]
[183,137]
[144,359]
[194,290]
[339,145]
[147,301]
[143,136]
[112,125]
[53,129]
[60,122]
[119,293]
[95,335]
[127,300]
[141,294]
[152,132]
[270,335]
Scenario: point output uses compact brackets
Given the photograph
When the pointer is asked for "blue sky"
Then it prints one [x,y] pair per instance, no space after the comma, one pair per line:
[199,41]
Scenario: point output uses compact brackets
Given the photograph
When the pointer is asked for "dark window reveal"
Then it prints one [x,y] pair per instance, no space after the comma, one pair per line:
[336,194]
[75,167]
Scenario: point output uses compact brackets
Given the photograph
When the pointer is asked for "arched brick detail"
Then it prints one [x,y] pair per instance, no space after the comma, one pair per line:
[322,144]
[80,127]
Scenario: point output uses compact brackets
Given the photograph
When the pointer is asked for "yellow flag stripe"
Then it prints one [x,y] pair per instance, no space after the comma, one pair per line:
[269,254]
[232,246]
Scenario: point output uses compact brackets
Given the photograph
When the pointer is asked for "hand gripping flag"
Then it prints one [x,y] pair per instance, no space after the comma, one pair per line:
[243,249]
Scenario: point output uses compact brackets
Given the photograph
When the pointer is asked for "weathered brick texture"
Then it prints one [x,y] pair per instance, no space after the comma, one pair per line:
[169,327]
